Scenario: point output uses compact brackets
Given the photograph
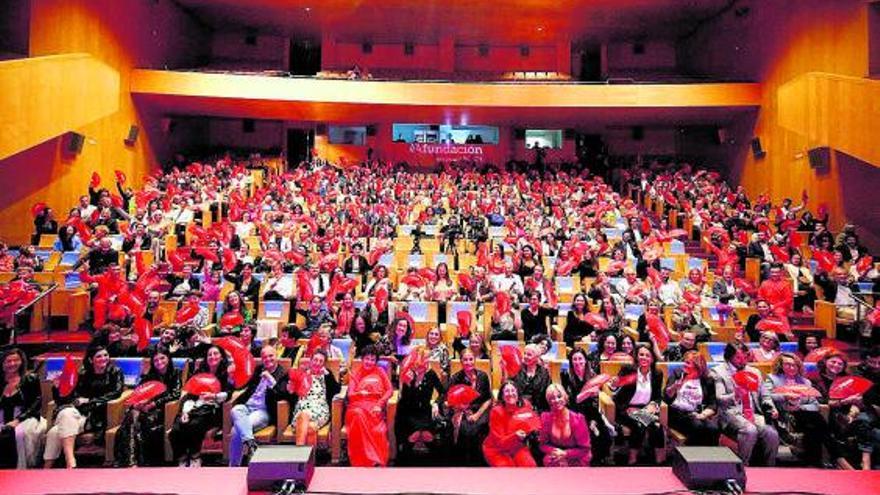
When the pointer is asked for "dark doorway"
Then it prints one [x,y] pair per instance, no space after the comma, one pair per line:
[591,64]
[299,145]
[305,57]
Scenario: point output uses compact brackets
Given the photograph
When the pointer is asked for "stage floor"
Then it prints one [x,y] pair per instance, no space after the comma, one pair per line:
[463,481]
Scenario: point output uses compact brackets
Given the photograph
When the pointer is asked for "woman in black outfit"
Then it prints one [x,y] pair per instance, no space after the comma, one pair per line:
[20,420]
[200,414]
[534,317]
[142,432]
[416,426]
[576,329]
[690,393]
[470,425]
[85,409]
[638,405]
[585,400]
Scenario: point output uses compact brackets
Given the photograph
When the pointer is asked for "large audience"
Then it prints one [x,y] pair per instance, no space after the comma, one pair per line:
[470,316]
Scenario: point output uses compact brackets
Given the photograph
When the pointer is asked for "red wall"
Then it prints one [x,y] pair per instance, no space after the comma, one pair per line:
[659,56]
[229,133]
[505,58]
[270,52]
[386,56]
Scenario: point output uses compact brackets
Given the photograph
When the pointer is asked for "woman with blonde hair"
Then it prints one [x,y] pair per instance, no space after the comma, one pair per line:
[565,436]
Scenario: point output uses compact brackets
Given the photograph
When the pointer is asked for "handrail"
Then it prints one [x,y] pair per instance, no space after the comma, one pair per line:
[23,310]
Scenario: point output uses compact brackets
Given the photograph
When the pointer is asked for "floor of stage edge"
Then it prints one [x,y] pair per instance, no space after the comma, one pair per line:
[460,481]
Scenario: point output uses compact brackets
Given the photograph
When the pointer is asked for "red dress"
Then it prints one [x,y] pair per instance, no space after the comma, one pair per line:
[502,447]
[367,431]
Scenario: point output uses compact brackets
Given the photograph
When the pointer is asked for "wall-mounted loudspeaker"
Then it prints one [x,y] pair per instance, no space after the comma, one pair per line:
[638,133]
[519,134]
[73,143]
[757,151]
[321,129]
[820,158]
[367,47]
[720,135]
[371,130]
[132,137]
[568,134]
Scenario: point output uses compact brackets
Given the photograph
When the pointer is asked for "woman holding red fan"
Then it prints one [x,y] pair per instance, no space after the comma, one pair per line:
[468,420]
[20,403]
[368,392]
[203,411]
[509,428]
[690,393]
[582,386]
[141,434]
[832,368]
[417,414]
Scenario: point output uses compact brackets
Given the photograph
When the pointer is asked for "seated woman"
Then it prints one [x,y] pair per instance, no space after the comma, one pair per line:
[20,403]
[200,414]
[606,348]
[321,341]
[475,342]
[84,410]
[437,350]
[312,412]
[363,333]
[504,326]
[141,439]
[843,411]
[690,393]
[469,423]
[533,378]
[577,329]
[638,405]
[368,392]
[534,317]
[767,350]
[415,427]
[506,445]
[235,313]
[395,343]
[444,289]
[345,315]
[799,412]
[564,437]
[584,400]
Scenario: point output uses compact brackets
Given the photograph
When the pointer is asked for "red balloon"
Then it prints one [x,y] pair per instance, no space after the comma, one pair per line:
[465,321]
[461,395]
[202,383]
[145,392]
[511,359]
[69,376]
[845,387]
[300,381]
[502,303]
[143,328]
[747,380]
[231,320]
[527,421]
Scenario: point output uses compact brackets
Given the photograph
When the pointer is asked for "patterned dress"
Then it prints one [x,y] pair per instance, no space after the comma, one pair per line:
[315,402]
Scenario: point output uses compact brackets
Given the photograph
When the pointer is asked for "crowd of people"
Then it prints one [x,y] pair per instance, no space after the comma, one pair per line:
[327,240]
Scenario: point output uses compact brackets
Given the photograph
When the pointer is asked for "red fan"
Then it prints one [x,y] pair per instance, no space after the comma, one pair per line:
[329,262]
[208,254]
[303,285]
[502,303]
[69,377]
[511,359]
[745,286]
[465,321]
[186,313]
[677,233]
[116,201]
[779,254]
[527,421]
[120,177]
[428,274]
[96,180]
[229,260]
[381,299]
[691,297]
[564,268]
[146,392]
[202,383]
[295,257]
[414,360]
[658,330]
[615,266]
[144,329]
[231,345]
[466,282]
[461,395]
[864,264]
[300,381]
[747,380]
[654,277]
[374,255]
[177,260]
[801,390]
[231,320]
[483,254]
[598,381]
[133,302]
[824,259]
[38,209]
[845,387]
[413,280]
[244,368]
[773,324]
[596,321]
[817,355]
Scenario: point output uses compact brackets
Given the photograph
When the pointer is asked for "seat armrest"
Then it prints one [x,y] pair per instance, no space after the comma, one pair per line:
[282,418]
[116,409]
[607,406]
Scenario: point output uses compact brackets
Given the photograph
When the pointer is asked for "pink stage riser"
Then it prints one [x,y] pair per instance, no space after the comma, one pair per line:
[466,481]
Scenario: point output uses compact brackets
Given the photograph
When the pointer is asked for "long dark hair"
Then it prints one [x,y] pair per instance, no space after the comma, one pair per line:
[22,369]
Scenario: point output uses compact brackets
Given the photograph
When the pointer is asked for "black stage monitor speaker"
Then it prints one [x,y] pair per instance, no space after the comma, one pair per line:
[74,143]
[757,151]
[132,138]
[712,468]
[272,465]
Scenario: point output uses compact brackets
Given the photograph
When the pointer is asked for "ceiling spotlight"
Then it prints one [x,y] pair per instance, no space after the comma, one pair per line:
[540,28]
[308,9]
